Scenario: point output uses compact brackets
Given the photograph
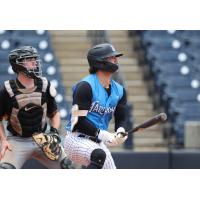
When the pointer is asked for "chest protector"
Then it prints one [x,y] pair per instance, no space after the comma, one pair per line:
[29,108]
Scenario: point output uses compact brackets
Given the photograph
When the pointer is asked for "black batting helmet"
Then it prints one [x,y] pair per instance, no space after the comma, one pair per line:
[97,58]
[17,56]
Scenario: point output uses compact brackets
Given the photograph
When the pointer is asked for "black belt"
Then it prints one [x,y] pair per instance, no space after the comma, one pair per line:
[92,138]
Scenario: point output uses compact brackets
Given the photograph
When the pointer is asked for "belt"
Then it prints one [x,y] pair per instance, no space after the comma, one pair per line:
[92,138]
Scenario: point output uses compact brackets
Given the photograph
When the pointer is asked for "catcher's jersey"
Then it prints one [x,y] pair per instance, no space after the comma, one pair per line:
[26,109]
[103,105]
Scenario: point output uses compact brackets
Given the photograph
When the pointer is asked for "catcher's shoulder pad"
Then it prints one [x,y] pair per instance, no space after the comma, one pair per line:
[52,90]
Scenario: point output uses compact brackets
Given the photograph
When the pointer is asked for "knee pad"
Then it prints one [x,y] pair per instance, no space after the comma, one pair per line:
[5,165]
[98,157]
[66,164]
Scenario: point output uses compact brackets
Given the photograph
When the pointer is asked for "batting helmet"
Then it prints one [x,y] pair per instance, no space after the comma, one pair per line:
[97,58]
[17,56]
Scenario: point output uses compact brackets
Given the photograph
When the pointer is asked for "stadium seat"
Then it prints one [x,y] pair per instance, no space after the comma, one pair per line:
[174,63]
[31,33]
[178,125]
[42,44]
[149,36]
[5,67]
[167,55]
[172,68]
[167,44]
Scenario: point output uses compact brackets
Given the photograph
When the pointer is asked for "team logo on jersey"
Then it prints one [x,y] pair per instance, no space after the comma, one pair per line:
[96,107]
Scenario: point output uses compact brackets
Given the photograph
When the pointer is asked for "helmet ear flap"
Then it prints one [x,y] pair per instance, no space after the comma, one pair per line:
[94,64]
[12,61]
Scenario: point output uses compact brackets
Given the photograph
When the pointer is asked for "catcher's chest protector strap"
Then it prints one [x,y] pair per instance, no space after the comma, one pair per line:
[7,85]
[29,107]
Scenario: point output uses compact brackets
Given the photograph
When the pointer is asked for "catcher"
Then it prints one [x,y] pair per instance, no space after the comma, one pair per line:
[26,103]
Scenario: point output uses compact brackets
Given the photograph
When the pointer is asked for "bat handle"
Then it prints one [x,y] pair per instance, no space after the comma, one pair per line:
[122,134]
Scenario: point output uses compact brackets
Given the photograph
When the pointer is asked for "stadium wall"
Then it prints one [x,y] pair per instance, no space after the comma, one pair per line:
[177,159]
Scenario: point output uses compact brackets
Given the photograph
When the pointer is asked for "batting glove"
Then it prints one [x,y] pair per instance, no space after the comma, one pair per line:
[106,137]
[113,139]
[121,135]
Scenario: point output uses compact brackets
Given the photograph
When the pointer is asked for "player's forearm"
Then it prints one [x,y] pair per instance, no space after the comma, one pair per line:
[85,126]
[55,121]
[120,117]
[2,132]
[121,112]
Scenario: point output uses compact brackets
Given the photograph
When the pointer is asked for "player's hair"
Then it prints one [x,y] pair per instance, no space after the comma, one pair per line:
[92,70]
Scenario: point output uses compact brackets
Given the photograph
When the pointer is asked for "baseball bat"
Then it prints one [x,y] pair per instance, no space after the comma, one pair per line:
[146,124]
[150,122]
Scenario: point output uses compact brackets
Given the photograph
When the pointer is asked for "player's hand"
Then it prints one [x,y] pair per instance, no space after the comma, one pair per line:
[4,147]
[106,137]
[121,135]
[55,134]
[121,132]
[113,139]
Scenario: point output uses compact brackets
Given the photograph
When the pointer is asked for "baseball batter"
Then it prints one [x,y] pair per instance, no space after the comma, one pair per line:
[96,98]
[26,102]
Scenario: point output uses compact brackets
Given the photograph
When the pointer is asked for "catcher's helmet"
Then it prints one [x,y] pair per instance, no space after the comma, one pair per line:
[97,58]
[17,56]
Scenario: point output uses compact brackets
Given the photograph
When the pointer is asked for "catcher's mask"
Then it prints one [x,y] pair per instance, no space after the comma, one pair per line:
[18,57]
[98,58]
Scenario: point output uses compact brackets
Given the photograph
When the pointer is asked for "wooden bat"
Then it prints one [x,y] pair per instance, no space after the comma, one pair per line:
[150,122]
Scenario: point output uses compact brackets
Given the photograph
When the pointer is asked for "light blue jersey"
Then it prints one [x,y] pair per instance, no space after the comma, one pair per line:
[103,106]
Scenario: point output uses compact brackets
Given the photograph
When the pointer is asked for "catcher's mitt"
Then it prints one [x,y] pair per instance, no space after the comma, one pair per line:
[49,143]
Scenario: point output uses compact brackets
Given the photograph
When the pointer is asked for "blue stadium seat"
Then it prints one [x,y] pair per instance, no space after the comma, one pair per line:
[182,98]
[31,34]
[4,56]
[5,67]
[167,44]
[179,125]
[5,32]
[174,63]
[39,43]
[173,68]
[178,107]
[50,69]
[48,57]
[175,81]
[192,43]
[188,34]
[5,77]
[148,37]
[167,56]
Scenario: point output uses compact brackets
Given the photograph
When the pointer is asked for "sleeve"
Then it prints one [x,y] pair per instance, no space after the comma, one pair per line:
[120,112]
[83,98]
[51,103]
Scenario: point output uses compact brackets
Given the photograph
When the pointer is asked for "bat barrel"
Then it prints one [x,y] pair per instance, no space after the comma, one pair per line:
[150,122]
[163,117]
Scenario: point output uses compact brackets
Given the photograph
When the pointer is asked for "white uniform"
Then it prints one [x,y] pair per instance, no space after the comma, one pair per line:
[102,108]
[79,149]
